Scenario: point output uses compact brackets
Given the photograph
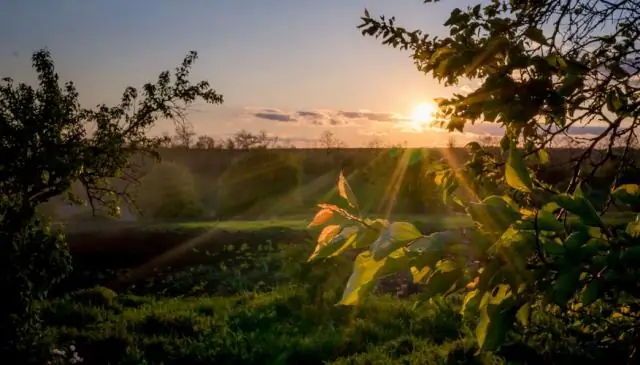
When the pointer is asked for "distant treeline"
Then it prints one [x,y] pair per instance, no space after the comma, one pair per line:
[260,182]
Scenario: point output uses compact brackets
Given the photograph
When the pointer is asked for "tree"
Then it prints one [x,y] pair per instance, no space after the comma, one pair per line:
[545,69]
[185,134]
[206,142]
[329,141]
[169,191]
[245,140]
[50,142]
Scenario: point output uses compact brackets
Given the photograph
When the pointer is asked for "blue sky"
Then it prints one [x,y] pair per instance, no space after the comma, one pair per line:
[286,66]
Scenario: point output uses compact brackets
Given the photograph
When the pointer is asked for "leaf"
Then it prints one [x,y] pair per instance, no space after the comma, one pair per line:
[553,248]
[332,241]
[443,279]
[328,233]
[345,191]
[545,221]
[633,229]
[580,207]
[496,318]
[590,292]
[536,35]
[627,194]
[369,234]
[397,235]
[566,285]
[543,156]
[321,217]
[495,213]
[516,173]
[362,279]
[434,242]
[575,240]
[471,301]
[524,313]
[419,275]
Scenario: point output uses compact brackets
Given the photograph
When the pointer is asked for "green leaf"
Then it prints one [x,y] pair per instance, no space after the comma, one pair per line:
[628,194]
[553,248]
[444,279]
[536,35]
[524,314]
[420,275]
[471,301]
[516,173]
[495,213]
[397,235]
[590,292]
[344,190]
[543,156]
[332,241]
[550,207]
[369,234]
[362,279]
[496,318]
[546,221]
[580,207]
[434,242]
[633,228]
[566,285]
[575,240]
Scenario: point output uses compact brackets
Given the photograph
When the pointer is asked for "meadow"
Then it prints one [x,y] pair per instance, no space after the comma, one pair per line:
[179,287]
[241,292]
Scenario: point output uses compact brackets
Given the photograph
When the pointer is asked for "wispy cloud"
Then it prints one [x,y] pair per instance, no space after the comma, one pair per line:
[323,117]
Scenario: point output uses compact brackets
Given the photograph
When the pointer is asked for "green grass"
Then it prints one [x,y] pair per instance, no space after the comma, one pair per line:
[296,223]
[259,302]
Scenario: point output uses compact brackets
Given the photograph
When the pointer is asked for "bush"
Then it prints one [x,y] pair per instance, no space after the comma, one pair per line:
[169,191]
[254,177]
[32,260]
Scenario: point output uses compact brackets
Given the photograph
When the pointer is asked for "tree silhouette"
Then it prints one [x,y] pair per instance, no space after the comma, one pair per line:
[48,142]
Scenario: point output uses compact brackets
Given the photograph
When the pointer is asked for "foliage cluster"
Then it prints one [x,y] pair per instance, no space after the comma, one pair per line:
[521,255]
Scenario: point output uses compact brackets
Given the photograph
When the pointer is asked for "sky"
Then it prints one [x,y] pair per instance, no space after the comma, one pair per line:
[294,68]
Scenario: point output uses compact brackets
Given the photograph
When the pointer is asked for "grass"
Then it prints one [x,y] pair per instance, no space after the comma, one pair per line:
[250,298]
[298,223]
[255,308]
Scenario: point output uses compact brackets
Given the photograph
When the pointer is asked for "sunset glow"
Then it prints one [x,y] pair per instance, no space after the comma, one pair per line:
[423,115]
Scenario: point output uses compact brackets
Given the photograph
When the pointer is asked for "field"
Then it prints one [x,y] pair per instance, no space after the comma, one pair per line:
[241,293]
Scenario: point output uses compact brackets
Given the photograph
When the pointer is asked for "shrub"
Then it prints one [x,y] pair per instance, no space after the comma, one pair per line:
[255,176]
[169,191]
[32,260]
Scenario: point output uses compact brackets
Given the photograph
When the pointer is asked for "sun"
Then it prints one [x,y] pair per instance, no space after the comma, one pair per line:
[423,114]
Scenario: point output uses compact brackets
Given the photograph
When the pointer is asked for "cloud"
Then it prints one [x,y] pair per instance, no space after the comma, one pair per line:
[278,117]
[372,116]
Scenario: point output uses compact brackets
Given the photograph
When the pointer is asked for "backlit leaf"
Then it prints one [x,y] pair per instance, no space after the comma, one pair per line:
[397,235]
[523,314]
[516,173]
[333,240]
[362,279]
[496,318]
[345,191]
[543,156]
[633,228]
[321,217]
[628,194]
